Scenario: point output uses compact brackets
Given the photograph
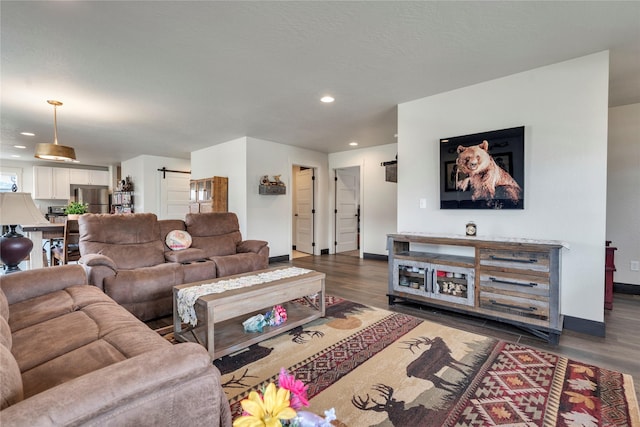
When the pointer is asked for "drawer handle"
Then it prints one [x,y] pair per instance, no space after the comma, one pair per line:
[516,307]
[508,282]
[524,261]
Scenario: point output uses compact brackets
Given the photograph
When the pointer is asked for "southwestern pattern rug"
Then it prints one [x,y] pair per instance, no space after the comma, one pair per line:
[378,368]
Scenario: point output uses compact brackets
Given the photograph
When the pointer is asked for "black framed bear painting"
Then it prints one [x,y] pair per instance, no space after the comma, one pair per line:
[483,170]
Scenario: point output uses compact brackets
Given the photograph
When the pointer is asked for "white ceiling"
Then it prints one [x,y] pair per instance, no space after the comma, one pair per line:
[167,78]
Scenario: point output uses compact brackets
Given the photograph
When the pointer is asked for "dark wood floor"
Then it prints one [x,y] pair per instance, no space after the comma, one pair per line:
[365,281]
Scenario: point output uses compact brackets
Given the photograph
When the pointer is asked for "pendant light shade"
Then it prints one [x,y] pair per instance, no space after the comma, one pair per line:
[55,151]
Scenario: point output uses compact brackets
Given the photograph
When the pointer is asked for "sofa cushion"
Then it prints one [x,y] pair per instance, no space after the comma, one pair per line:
[143,283]
[167,225]
[5,333]
[95,334]
[146,292]
[178,240]
[121,337]
[238,263]
[4,305]
[211,223]
[11,383]
[216,245]
[49,306]
[131,241]
[199,271]
[185,256]
[52,338]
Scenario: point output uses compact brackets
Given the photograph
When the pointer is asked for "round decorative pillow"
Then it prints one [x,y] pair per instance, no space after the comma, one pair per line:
[178,240]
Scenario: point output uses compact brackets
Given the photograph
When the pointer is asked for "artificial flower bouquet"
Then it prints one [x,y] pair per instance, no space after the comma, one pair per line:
[276,317]
[280,406]
[273,317]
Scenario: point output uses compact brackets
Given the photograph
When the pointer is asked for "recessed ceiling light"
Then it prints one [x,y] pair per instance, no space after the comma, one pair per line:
[15,155]
[327,99]
[27,134]
[20,146]
[353,143]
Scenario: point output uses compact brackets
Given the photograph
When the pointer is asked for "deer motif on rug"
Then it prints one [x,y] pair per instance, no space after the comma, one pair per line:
[395,409]
[432,360]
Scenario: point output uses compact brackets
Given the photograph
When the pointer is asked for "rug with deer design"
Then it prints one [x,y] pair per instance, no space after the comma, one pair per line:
[378,368]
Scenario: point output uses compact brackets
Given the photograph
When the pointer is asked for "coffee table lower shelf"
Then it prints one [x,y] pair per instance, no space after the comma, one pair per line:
[230,337]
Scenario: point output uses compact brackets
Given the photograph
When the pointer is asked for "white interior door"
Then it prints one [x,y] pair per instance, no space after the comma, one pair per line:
[174,195]
[303,211]
[347,200]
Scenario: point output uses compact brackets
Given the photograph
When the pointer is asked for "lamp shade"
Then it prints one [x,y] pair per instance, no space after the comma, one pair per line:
[19,208]
[48,151]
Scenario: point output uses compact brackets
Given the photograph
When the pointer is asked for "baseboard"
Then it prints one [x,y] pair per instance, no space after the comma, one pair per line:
[626,288]
[378,257]
[281,258]
[584,326]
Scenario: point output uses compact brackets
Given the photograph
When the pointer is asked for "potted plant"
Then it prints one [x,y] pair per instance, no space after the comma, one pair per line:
[75,209]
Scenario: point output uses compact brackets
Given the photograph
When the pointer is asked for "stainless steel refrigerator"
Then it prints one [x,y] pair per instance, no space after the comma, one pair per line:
[96,198]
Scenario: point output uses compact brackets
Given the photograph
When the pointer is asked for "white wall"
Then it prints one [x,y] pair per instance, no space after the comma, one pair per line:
[269,216]
[146,179]
[623,190]
[229,160]
[378,198]
[564,110]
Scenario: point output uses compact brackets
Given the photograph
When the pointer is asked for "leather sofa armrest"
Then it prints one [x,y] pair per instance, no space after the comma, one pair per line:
[41,281]
[185,255]
[98,267]
[136,391]
[94,260]
[251,246]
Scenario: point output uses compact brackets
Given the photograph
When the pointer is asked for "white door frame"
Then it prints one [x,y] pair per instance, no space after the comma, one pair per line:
[314,204]
[332,202]
[341,209]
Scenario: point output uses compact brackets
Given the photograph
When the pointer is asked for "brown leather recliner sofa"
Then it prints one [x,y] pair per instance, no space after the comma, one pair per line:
[126,256]
[69,355]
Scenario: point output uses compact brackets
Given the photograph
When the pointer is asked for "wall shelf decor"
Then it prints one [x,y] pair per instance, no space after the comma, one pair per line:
[268,187]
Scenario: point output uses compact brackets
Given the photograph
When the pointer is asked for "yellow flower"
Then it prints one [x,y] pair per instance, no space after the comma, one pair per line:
[266,412]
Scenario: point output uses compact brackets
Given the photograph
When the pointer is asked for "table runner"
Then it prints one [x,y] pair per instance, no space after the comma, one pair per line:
[187,296]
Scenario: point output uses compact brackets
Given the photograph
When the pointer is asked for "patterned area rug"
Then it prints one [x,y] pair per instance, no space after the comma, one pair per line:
[378,368]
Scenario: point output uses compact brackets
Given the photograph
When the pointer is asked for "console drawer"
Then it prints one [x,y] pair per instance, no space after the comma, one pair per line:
[526,307]
[514,283]
[517,259]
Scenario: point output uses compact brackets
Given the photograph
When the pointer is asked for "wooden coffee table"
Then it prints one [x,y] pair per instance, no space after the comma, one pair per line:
[220,315]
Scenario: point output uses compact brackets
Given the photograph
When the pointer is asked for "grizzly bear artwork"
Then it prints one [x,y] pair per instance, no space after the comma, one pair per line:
[478,171]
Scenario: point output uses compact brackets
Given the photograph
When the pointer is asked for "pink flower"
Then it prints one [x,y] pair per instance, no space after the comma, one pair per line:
[296,387]
[281,312]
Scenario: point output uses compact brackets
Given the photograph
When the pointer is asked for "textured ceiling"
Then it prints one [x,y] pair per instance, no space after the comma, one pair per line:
[167,78]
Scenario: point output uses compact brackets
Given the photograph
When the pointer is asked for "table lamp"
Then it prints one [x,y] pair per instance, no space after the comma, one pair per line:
[15,209]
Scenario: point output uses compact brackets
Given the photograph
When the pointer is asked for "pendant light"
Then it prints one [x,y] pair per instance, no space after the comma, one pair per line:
[47,151]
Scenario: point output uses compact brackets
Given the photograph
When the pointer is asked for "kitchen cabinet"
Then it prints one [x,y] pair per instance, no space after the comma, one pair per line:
[511,280]
[51,183]
[88,177]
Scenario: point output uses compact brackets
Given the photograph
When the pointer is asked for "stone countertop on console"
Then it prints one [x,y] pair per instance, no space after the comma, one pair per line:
[496,239]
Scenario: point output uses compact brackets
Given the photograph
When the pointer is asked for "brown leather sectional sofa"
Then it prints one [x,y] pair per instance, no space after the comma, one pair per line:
[69,355]
[126,256]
